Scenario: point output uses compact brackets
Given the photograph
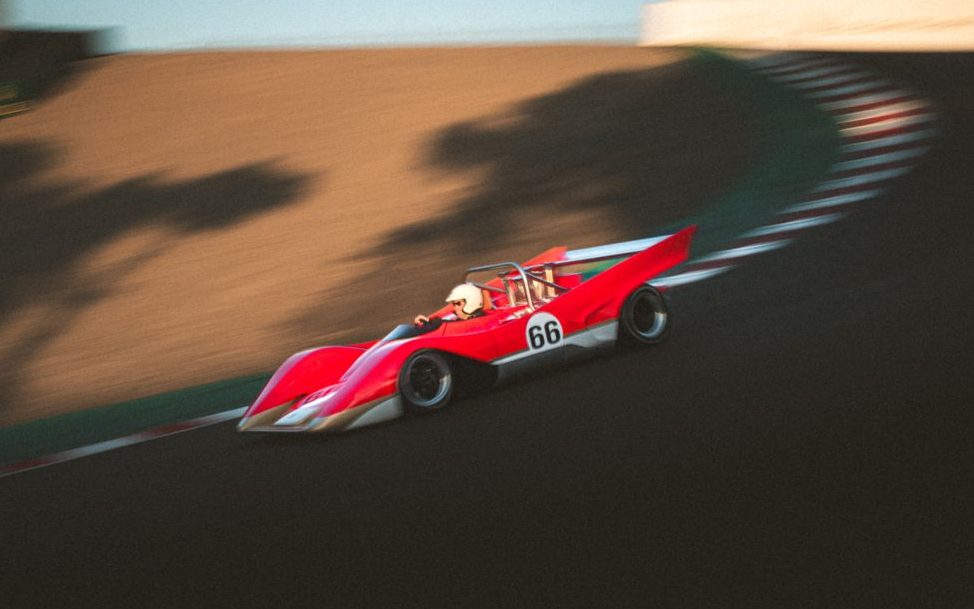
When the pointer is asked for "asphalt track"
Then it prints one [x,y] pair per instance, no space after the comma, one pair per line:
[803,439]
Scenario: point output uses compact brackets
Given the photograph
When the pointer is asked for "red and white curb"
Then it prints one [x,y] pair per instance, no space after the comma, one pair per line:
[884,128]
[136,438]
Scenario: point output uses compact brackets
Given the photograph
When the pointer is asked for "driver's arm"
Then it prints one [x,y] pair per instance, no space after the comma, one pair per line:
[428,324]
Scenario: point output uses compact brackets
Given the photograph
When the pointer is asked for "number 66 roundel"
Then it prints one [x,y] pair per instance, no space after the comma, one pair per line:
[543,332]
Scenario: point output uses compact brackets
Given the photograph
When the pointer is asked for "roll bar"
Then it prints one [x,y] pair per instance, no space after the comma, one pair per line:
[522,273]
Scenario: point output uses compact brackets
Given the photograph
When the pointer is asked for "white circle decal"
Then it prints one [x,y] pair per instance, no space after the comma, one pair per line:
[544,332]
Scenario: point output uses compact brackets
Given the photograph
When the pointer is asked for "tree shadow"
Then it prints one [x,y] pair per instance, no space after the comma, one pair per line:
[48,230]
[608,158]
[37,64]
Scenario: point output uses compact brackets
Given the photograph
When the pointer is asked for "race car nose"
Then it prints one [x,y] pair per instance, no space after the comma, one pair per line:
[301,415]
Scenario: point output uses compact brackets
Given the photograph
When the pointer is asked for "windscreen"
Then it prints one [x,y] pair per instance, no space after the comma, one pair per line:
[402,331]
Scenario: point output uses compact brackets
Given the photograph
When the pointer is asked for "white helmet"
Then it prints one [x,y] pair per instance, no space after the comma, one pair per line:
[471,294]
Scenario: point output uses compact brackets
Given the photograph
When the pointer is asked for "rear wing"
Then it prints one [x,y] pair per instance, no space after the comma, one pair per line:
[547,275]
[601,253]
[622,277]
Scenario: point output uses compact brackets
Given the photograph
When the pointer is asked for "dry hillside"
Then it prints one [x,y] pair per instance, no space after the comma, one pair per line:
[169,220]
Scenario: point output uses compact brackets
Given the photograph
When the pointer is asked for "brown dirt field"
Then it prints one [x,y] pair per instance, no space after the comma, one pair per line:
[170,220]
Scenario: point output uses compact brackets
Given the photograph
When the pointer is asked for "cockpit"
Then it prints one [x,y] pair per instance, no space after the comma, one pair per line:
[513,285]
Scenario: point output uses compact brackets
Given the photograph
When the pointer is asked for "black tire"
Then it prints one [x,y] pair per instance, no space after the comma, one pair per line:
[645,317]
[425,382]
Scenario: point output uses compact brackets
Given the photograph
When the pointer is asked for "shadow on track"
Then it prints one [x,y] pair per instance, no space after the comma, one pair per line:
[49,229]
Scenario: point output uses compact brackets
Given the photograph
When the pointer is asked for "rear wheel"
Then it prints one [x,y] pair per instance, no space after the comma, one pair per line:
[426,382]
[645,318]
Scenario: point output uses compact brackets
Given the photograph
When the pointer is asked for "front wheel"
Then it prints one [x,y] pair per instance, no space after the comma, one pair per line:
[645,318]
[426,382]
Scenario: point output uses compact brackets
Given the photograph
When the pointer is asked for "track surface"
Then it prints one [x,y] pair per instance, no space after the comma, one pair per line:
[802,440]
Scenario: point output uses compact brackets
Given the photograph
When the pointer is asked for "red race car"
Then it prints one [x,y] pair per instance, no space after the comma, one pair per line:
[511,318]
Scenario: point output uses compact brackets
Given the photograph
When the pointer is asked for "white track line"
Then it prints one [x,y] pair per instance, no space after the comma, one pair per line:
[859,180]
[851,89]
[893,107]
[833,201]
[828,70]
[864,100]
[830,81]
[744,250]
[136,438]
[794,225]
[890,140]
[789,66]
[880,159]
[885,124]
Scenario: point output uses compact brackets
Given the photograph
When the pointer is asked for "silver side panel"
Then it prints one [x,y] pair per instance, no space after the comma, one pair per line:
[595,336]
[589,338]
[367,414]
[386,410]
[524,362]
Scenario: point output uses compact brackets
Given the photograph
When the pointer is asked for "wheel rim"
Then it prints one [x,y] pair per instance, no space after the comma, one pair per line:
[648,316]
[427,382]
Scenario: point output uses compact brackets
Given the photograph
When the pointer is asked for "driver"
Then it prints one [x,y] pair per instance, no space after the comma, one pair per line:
[467,301]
